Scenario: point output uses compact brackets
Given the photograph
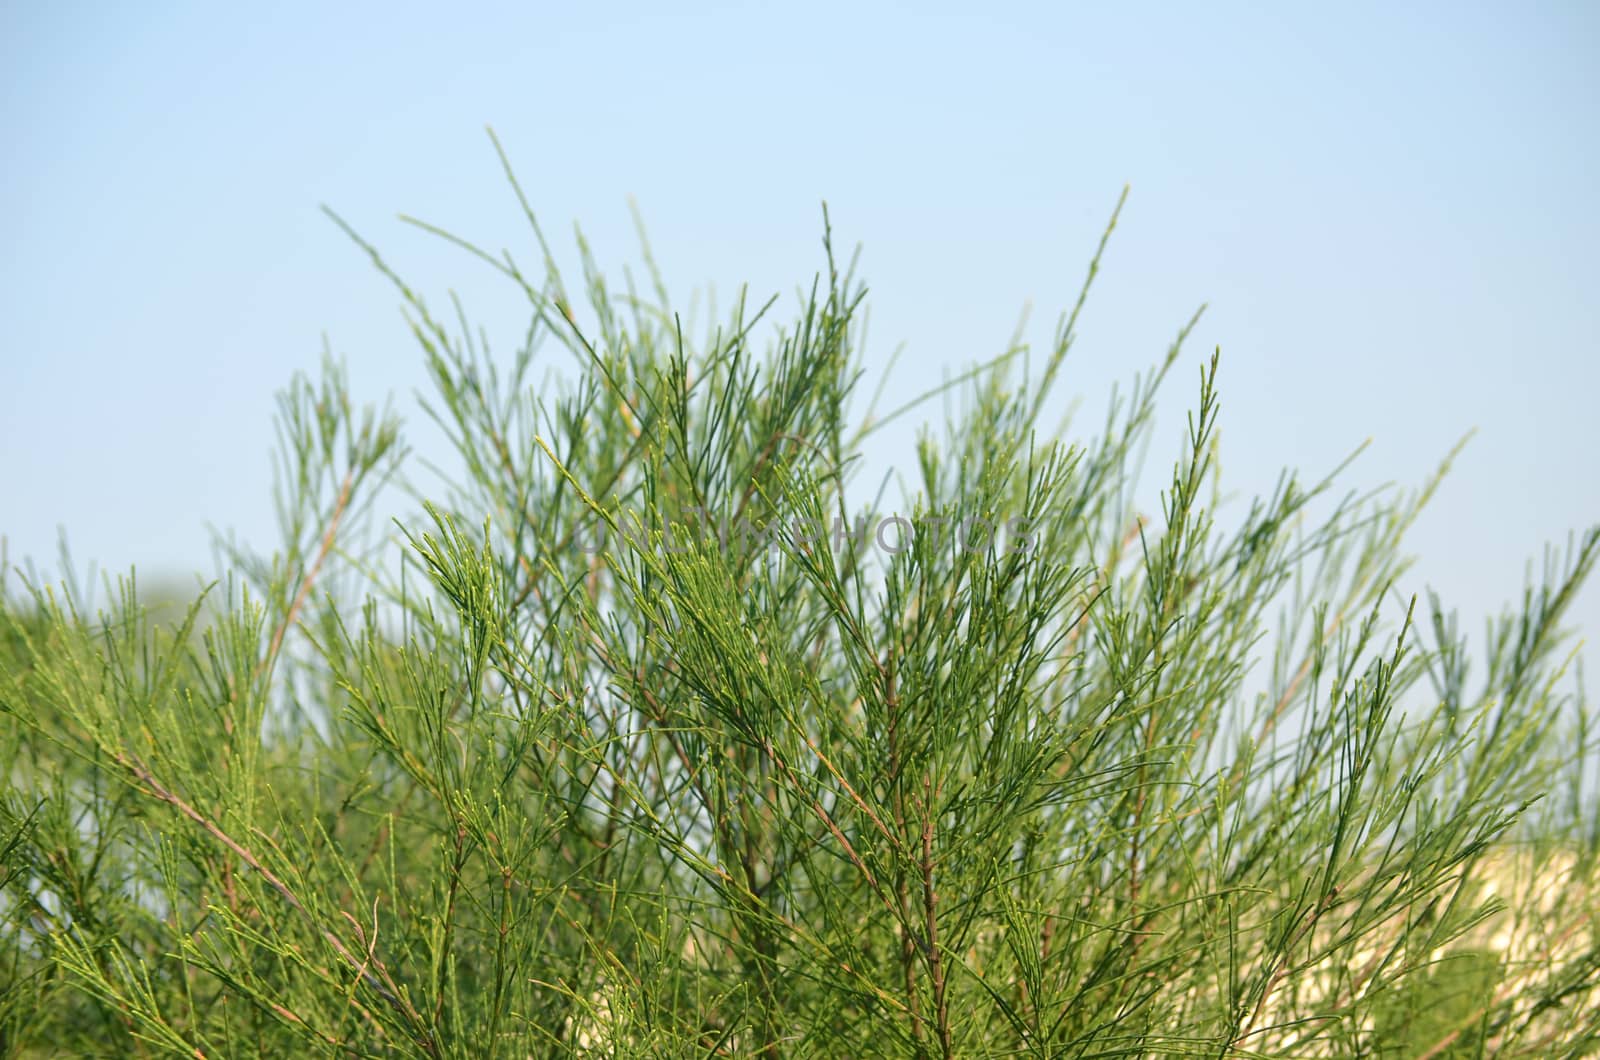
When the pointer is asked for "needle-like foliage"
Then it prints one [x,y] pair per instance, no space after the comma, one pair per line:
[649,735]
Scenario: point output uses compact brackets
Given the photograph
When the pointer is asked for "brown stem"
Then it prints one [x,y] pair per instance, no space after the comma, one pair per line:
[930,905]
[340,504]
[381,981]
[1281,961]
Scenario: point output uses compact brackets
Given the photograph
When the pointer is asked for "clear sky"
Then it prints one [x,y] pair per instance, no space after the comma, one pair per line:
[1392,213]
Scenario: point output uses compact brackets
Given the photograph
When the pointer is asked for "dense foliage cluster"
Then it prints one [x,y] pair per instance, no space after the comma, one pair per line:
[1195,781]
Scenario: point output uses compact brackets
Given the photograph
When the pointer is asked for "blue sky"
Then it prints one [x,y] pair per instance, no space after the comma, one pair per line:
[1392,215]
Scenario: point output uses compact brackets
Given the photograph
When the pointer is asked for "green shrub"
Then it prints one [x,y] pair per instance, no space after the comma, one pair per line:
[643,746]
